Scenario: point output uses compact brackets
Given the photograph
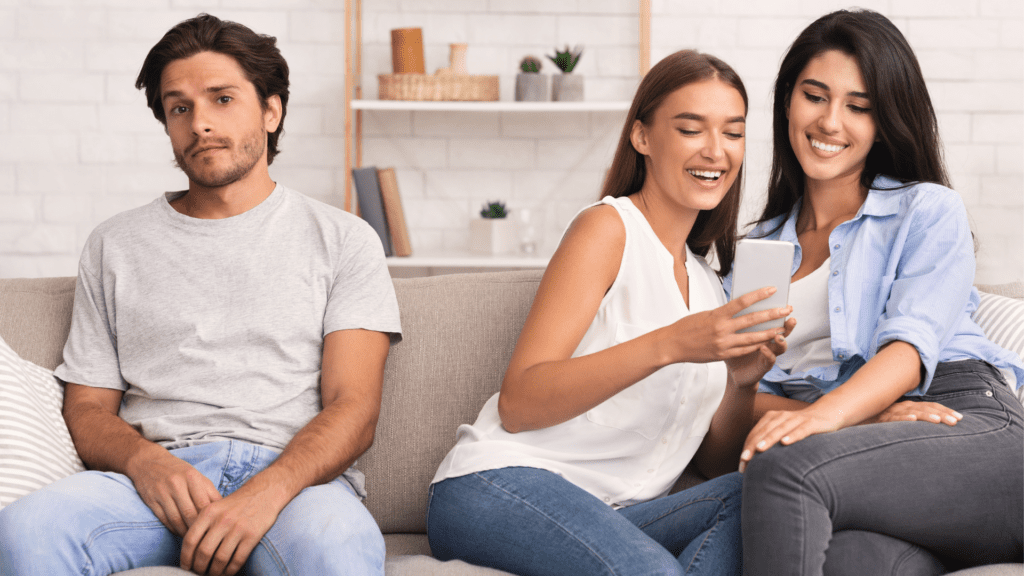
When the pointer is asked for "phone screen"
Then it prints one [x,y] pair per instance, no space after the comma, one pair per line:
[761,263]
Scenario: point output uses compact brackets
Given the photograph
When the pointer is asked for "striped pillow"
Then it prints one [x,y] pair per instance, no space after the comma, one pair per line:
[1002,319]
[35,446]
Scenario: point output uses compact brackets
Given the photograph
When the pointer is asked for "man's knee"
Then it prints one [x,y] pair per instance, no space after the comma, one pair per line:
[29,516]
[330,534]
[32,531]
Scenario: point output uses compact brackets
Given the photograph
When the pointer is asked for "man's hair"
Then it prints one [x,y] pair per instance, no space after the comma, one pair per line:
[257,55]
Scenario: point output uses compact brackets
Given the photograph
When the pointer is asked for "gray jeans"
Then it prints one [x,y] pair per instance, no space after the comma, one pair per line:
[895,498]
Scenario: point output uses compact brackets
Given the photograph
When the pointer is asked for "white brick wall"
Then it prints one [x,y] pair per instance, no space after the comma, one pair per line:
[77,143]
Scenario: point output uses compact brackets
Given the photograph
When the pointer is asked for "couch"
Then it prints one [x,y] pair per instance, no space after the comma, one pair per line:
[459,332]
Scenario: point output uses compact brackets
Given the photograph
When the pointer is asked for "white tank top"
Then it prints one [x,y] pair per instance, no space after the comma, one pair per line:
[810,343]
[632,447]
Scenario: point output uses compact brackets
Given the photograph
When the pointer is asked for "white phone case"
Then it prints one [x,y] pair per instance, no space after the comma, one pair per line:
[761,263]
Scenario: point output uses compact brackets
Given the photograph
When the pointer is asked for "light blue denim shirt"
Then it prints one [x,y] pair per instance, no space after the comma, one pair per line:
[901,269]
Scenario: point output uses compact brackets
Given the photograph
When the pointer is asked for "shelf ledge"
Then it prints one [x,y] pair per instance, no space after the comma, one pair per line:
[499,106]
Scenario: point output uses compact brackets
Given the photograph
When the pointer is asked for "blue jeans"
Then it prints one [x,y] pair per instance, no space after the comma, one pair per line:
[898,497]
[94,523]
[533,522]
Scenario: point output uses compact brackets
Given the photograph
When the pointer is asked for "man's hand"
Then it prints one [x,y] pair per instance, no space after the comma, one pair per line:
[175,491]
[226,532]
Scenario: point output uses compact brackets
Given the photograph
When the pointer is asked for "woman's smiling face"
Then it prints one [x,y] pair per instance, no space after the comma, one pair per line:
[831,125]
[694,144]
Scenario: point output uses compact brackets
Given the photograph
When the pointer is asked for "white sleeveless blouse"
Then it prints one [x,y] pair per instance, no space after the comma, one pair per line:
[632,447]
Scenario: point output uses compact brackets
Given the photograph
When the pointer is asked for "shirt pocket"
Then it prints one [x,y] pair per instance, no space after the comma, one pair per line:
[644,407]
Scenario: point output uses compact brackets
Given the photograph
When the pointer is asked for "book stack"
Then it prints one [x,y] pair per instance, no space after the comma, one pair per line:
[381,206]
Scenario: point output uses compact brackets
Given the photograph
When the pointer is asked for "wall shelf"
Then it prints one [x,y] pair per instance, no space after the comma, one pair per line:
[499,106]
[355,106]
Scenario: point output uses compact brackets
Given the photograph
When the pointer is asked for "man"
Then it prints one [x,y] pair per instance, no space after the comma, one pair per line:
[226,355]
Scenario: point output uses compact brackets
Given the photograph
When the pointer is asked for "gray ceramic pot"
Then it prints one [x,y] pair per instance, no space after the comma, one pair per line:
[567,87]
[531,87]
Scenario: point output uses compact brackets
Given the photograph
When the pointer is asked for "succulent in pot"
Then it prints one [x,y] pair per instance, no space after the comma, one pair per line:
[531,85]
[567,86]
[493,232]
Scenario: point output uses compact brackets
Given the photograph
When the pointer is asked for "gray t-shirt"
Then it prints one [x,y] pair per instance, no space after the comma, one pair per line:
[214,329]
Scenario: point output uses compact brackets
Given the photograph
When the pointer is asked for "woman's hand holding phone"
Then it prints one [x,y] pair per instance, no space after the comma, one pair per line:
[716,335]
[747,371]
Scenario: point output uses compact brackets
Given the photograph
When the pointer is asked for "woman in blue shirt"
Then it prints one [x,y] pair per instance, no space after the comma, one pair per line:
[883,295]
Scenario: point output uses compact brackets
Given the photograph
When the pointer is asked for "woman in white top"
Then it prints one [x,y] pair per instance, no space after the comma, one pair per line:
[629,365]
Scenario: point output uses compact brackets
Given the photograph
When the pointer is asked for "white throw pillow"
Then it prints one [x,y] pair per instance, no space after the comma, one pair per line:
[35,446]
[1002,319]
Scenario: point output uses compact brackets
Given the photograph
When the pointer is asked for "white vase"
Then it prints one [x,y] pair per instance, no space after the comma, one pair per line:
[492,236]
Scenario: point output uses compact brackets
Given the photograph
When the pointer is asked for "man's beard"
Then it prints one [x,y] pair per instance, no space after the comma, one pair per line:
[244,158]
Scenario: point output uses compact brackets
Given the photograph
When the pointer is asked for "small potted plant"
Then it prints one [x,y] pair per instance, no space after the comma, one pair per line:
[567,86]
[531,85]
[493,232]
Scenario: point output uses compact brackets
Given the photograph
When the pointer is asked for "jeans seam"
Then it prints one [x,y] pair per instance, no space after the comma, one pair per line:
[552,520]
[274,555]
[700,548]
[224,469]
[677,508]
[906,555]
[111,527]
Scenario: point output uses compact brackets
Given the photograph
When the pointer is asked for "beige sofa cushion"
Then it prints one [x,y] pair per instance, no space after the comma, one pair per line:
[458,333]
[35,317]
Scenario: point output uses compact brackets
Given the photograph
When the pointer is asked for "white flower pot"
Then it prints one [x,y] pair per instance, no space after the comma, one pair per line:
[492,236]
[531,87]
[567,87]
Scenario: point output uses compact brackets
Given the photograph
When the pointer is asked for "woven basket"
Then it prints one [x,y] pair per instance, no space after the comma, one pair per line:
[436,87]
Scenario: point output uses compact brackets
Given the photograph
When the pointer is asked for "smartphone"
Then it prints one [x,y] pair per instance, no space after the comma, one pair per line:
[761,263]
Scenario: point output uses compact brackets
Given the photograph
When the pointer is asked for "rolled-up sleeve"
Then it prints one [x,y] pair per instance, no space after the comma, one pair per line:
[933,277]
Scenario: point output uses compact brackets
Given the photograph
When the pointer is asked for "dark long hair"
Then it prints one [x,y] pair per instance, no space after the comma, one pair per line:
[256,54]
[628,171]
[908,149]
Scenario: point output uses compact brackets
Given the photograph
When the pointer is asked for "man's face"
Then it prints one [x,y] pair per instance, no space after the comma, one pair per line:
[217,126]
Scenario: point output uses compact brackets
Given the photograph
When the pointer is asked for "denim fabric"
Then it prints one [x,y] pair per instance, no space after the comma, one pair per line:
[956,491]
[94,523]
[862,553]
[533,522]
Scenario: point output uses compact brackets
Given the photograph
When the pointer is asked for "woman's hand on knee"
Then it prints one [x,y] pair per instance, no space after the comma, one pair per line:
[911,411]
[785,427]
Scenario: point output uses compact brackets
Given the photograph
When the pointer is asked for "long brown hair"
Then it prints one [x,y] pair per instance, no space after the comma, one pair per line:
[628,171]
[256,54]
[908,147]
